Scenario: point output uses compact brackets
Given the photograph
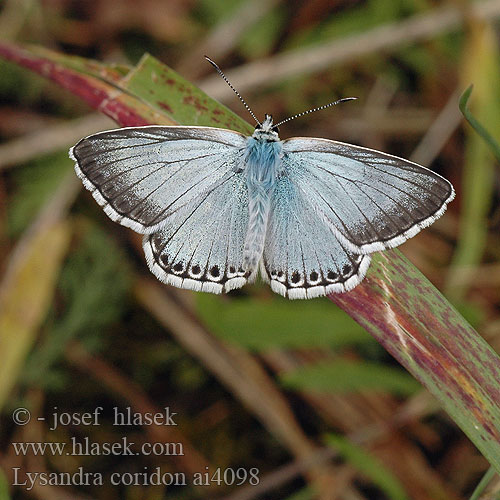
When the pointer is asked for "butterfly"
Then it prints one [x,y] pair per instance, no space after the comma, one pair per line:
[217,208]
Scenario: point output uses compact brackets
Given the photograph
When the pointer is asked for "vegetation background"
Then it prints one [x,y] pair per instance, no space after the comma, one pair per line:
[297,390]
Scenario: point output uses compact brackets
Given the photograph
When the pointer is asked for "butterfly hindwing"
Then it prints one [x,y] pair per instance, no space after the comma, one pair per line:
[303,258]
[371,199]
[141,175]
[200,247]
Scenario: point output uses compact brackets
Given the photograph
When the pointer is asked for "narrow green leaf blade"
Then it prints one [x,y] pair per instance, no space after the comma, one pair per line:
[341,376]
[4,486]
[262,325]
[369,466]
[488,138]
[483,485]
[422,330]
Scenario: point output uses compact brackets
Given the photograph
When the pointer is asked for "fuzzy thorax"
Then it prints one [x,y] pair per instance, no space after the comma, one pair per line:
[262,161]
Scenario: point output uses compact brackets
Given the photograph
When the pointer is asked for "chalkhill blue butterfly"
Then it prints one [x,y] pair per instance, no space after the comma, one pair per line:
[216,208]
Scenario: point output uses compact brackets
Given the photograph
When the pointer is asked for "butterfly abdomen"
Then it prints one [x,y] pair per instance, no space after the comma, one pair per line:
[262,160]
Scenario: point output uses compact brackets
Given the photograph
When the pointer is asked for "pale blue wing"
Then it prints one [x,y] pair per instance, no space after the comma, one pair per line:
[200,246]
[303,257]
[142,175]
[371,199]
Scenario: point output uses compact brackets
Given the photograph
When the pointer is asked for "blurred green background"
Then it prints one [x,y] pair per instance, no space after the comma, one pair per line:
[257,382]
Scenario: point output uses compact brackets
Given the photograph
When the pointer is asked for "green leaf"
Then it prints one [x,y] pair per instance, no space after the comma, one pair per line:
[422,330]
[303,494]
[480,65]
[177,98]
[4,486]
[340,376]
[483,485]
[94,284]
[24,301]
[369,466]
[263,324]
[35,183]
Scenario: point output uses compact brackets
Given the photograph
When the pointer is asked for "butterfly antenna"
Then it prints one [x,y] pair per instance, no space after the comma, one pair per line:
[247,107]
[315,109]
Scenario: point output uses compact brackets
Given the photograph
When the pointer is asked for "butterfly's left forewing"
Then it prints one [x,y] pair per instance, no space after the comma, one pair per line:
[371,200]
[142,175]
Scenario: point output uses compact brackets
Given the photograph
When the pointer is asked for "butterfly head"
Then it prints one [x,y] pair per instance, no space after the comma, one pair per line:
[266,130]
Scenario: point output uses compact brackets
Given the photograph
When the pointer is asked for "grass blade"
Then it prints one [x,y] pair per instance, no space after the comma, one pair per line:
[488,138]
[423,331]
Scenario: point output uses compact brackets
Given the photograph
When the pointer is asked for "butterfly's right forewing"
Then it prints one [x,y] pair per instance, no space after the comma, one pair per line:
[371,200]
[142,175]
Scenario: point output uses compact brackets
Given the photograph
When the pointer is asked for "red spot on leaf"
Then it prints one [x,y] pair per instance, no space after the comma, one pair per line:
[194,101]
[165,106]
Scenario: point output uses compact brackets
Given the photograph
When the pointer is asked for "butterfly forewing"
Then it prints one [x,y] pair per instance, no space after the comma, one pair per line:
[303,258]
[372,200]
[141,175]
